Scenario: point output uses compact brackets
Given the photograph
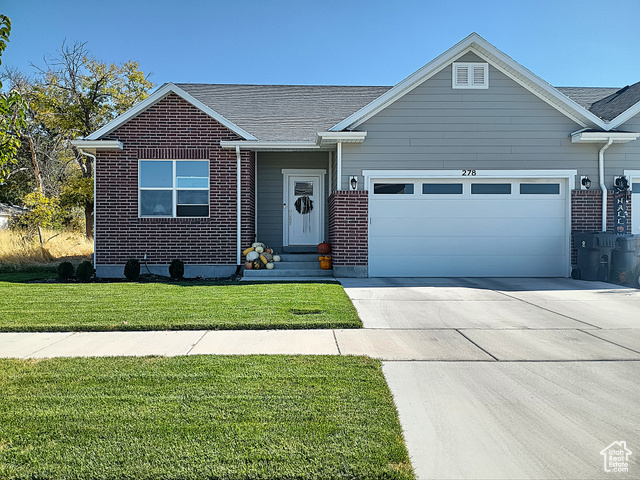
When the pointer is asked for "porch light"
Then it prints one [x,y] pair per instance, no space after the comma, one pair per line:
[353,182]
[586,182]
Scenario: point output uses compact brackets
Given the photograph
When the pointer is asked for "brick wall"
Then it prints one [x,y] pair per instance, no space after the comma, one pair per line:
[586,213]
[348,227]
[171,129]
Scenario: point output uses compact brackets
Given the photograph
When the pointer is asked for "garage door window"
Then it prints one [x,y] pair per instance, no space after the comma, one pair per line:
[491,188]
[539,188]
[393,188]
[442,188]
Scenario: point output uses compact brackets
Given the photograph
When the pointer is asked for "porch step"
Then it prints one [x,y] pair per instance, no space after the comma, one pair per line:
[291,265]
[299,257]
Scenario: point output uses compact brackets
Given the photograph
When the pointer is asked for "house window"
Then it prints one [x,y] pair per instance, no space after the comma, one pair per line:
[470,75]
[173,188]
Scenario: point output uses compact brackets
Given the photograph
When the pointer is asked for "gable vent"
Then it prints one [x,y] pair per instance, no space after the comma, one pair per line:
[470,75]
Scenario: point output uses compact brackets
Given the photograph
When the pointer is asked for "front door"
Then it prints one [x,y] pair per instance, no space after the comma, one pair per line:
[303,208]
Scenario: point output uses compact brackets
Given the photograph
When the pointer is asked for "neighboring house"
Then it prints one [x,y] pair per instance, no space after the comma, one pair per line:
[6,212]
[471,166]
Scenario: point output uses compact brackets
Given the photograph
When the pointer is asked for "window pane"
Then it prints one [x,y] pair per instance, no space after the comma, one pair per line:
[491,188]
[192,169]
[192,182]
[192,210]
[441,188]
[156,203]
[392,188]
[156,174]
[635,188]
[193,197]
[303,188]
[540,188]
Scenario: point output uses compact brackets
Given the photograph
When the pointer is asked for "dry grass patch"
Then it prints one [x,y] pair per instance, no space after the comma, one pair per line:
[17,249]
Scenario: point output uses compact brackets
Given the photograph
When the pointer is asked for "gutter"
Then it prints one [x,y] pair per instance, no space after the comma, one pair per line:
[95,172]
[603,187]
[238,206]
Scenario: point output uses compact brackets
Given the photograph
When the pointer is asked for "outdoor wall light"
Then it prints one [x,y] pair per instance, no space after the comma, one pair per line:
[621,182]
[585,182]
[353,182]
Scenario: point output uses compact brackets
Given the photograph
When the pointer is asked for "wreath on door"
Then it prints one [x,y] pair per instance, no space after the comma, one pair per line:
[303,205]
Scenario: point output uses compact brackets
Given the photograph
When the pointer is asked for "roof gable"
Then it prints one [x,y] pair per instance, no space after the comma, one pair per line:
[474,43]
[155,97]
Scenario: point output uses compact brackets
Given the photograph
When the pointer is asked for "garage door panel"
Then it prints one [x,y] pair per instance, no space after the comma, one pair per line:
[476,266]
[462,227]
[468,245]
[469,235]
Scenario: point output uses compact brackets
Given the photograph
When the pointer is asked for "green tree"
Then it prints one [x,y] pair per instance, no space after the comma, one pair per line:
[12,112]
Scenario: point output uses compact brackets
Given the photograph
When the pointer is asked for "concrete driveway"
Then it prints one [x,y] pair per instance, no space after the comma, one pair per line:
[508,378]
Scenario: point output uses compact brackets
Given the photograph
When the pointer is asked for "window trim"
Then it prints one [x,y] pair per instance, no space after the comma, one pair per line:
[469,84]
[174,188]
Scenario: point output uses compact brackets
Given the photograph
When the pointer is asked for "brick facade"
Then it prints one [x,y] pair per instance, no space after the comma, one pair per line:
[171,129]
[348,228]
[586,213]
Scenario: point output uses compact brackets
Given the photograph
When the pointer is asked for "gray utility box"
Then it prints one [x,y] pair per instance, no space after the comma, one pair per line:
[594,255]
[625,256]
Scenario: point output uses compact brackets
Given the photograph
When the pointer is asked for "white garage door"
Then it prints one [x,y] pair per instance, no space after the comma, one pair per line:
[475,227]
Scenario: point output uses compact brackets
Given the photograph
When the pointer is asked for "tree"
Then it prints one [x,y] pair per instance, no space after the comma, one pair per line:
[12,112]
[72,96]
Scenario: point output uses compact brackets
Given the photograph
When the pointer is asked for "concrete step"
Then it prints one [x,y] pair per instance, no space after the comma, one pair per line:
[299,257]
[297,265]
[284,272]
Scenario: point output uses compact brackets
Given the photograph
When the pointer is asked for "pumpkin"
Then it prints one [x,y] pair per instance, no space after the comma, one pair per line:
[257,265]
[268,250]
[257,244]
[325,262]
[276,258]
[248,265]
[263,259]
[268,256]
[324,248]
[269,266]
[252,256]
[259,249]
[250,249]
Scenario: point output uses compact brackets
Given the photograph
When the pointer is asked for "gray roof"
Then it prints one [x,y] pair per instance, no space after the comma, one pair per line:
[283,112]
[605,103]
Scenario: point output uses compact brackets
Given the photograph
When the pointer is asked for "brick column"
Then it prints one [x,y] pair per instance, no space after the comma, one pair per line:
[348,233]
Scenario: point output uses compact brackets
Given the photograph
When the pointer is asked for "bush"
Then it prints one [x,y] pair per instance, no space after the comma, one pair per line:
[132,269]
[84,272]
[176,269]
[65,271]
[42,212]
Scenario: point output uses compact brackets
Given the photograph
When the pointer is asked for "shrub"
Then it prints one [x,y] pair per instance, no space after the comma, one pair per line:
[65,271]
[132,269]
[84,272]
[42,212]
[176,269]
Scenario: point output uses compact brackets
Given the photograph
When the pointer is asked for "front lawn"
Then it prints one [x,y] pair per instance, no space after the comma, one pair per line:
[173,306]
[199,417]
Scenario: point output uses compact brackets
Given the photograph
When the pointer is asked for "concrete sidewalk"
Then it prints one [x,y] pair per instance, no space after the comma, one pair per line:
[384,344]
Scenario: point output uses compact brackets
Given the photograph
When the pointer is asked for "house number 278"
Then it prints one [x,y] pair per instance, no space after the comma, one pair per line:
[468,173]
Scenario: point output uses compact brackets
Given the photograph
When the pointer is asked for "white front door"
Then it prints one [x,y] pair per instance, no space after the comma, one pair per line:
[303,207]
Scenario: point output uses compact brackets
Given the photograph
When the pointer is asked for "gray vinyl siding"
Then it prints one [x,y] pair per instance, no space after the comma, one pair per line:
[501,128]
[270,190]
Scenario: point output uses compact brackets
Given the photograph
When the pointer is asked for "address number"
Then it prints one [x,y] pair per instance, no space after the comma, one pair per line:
[468,173]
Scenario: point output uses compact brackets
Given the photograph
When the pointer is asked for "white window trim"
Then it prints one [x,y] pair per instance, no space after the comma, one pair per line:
[470,66]
[174,189]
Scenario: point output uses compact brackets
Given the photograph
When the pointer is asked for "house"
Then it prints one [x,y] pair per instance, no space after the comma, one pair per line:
[7,211]
[471,166]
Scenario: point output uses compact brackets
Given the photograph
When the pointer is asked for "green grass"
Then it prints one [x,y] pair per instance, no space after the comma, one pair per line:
[199,417]
[173,306]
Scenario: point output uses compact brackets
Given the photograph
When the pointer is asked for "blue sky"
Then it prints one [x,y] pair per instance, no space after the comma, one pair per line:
[375,42]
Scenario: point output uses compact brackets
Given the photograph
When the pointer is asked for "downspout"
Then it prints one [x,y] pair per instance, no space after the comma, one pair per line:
[95,173]
[255,195]
[239,209]
[603,187]
[339,166]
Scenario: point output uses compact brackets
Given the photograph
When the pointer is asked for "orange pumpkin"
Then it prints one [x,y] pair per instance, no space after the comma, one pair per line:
[248,265]
[325,262]
[324,248]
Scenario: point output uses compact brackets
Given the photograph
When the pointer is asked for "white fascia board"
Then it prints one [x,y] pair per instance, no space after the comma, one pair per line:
[476,44]
[156,97]
[329,138]
[600,137]
[97,144]
[624,117]
[257,145]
